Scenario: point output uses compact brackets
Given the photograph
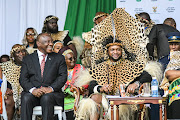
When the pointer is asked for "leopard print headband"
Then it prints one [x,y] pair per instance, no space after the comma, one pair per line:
[15,49]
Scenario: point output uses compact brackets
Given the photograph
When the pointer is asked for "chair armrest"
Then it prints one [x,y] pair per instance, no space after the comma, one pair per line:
[77,91]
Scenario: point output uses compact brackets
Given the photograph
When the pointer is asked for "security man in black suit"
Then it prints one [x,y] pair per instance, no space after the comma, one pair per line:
[157,37]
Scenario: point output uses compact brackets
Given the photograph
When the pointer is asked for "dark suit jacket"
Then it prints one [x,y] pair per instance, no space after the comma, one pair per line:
[55,73]
[158,38]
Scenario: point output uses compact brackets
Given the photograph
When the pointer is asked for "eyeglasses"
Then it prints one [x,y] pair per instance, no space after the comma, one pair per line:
[72,58]
[28,34]
[18,51]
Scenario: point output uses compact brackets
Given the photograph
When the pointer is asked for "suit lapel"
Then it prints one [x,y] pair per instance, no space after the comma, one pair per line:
[47,64]
[35,60]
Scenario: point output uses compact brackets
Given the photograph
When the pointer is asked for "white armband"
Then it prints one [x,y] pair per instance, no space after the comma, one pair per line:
[95,90]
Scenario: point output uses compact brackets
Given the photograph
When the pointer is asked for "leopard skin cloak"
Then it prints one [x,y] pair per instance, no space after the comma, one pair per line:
[132,35]
[12,73]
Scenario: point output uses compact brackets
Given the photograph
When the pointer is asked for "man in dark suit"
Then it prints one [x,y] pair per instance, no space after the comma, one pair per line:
[43,74]
[157,37]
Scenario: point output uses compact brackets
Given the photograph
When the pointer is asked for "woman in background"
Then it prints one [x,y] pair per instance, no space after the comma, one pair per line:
[57,46]
[29,40]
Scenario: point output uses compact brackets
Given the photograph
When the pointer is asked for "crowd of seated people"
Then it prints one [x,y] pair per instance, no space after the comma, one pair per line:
[42,71]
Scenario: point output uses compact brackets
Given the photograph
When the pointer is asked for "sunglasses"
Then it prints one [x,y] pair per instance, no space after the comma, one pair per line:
[28,34]
[72,58]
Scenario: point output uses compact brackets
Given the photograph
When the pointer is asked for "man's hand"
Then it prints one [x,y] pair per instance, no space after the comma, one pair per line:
[105,88]
[37,92]
[9,92]
[131,88]
[46,89]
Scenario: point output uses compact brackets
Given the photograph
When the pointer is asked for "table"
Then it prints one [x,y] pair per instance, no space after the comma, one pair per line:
[137,100]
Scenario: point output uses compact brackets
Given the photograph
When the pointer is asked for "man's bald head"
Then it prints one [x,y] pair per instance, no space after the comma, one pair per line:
[170,22]
[42,35]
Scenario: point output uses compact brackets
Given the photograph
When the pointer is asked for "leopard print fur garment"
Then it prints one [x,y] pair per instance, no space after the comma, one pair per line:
[12,73]
[132,35]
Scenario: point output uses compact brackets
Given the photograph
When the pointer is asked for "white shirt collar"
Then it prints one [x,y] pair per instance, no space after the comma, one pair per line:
[40,56]
[39,53]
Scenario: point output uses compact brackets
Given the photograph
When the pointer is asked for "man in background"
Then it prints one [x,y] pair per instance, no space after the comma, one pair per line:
[87,51]
[145,18]
[51,27]
[157,37]
[4,58]
[170,22]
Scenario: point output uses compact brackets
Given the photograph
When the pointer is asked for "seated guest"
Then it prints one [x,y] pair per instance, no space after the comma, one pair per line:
[11,72]
[174,100]
[29,40]
[73,72]
[43,74]
[57,46]
[107,78]
[172,73]
[4,58]
[116,60]
[171,77]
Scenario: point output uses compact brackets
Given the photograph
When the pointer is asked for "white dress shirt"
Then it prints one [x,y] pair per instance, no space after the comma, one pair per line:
[40,56]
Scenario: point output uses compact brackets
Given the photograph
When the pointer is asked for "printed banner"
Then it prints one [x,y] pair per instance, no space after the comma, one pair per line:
[158,10]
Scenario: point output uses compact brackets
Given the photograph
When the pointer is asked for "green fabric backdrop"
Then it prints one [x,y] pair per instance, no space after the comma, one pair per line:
[80,14]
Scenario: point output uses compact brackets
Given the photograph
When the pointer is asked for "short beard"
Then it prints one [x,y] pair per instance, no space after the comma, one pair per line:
[53,30]
[115,60]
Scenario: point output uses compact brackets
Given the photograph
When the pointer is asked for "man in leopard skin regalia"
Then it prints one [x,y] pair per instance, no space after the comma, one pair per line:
[10,72]
[120,59]
[51,27]
[87,50]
